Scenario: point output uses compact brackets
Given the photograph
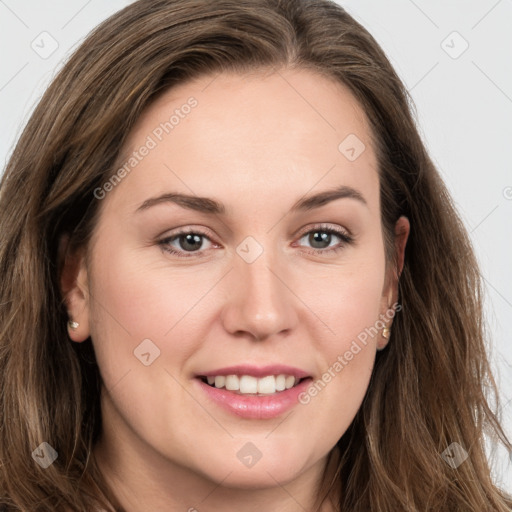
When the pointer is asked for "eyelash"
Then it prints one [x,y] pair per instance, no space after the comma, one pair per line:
[345,237]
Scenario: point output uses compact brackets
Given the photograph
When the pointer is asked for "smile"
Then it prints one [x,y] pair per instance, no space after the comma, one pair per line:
[250,385]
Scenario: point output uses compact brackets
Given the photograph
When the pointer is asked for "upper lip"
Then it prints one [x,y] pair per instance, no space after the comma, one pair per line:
[256,371]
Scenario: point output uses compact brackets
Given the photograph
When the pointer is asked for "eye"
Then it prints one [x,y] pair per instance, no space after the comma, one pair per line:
[191,241]
[320,238]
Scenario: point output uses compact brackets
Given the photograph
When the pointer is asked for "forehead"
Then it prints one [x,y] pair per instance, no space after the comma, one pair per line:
[242,138]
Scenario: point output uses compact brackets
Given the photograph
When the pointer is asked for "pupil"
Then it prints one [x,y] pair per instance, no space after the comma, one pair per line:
[192,239]
[320,236]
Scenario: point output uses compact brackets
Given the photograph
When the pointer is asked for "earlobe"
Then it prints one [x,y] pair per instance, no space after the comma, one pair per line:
[73,287]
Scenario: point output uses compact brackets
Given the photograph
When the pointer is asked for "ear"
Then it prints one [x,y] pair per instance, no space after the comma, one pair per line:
[390,295]
[74,289]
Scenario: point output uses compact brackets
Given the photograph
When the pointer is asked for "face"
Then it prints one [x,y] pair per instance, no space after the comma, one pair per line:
[259,286]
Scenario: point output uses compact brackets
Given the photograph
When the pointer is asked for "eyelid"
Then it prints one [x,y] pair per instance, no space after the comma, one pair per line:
[185,230]
[339,231]
[323,226]
[209,234]
[342,233]
[176,233]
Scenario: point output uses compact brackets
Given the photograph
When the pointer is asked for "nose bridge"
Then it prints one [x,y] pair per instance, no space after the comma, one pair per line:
[259,277]
[260,303]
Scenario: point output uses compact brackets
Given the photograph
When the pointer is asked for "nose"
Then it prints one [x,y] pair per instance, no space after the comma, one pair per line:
[260,304]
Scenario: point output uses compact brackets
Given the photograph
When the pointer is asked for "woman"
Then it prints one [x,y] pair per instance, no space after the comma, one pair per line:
[174,333]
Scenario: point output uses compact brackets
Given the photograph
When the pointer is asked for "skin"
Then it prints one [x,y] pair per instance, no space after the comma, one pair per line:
[257,143]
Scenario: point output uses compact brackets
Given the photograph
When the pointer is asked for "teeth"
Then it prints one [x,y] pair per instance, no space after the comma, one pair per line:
[232,383]
[280,382]
[247,384]
[220,380]
[267,384]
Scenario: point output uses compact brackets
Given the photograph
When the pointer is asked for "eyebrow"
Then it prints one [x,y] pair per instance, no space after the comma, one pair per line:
[214,207]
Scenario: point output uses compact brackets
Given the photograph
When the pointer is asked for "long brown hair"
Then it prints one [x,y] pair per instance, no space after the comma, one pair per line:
[431,386]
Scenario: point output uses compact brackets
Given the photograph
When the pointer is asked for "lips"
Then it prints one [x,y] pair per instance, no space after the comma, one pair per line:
[254,392]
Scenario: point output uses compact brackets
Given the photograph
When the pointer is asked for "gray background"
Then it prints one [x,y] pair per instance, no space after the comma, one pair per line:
[455,58]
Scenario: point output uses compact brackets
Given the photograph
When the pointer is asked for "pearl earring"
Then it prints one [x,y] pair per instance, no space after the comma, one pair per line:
[73,325]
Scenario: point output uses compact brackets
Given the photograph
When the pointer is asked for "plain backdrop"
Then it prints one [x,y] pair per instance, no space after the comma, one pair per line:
[455,57]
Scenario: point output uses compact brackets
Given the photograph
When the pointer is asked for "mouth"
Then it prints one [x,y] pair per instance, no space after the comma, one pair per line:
[250,385]
[254,393]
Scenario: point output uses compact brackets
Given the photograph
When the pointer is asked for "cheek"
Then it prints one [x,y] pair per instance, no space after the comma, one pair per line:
[349,306]
[140,297]
[143,297]
[127,307]
[348,299]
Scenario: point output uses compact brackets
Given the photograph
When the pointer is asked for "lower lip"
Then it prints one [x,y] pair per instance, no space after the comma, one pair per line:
[255,407]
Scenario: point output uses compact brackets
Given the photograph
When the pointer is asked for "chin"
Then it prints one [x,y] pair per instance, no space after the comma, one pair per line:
[276,470]
[258,479]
